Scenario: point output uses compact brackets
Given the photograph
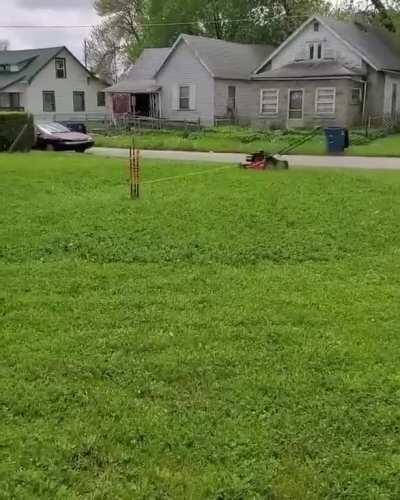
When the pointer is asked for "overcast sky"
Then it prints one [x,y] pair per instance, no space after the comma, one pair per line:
[45,12]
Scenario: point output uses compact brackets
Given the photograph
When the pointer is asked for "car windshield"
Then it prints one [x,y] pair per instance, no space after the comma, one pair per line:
[52,128]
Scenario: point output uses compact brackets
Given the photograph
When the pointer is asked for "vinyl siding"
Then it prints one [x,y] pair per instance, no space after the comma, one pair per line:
[184,69]
[77,80]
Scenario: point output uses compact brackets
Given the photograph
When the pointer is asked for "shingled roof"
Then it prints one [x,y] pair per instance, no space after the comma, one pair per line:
[308,69]
[30,62]
[228,60]
[375,44]
[140,77]
[223,59]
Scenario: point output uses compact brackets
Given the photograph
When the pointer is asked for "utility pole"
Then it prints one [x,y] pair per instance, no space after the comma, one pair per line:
[85,50]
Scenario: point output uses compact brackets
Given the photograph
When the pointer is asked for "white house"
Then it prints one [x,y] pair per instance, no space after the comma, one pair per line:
[50,83]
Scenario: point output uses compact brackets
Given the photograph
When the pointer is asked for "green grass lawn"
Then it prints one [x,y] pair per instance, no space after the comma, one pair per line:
[235,139]
[232,335]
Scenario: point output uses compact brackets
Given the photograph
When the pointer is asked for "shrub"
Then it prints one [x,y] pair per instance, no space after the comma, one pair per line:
[11,126]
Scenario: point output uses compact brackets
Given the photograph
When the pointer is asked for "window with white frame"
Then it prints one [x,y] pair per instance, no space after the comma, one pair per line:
[325,101]
[61,68]
[269,100]
[184,97]
[79,101]
[315,50]
[49,101]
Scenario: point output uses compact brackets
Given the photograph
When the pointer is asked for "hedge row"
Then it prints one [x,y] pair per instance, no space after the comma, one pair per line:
[11,126]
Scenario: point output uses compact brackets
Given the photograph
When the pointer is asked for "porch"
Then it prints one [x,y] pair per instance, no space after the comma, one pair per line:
[139,99]
[11,101]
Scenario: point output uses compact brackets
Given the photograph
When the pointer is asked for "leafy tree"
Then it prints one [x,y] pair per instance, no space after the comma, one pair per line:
[131,25]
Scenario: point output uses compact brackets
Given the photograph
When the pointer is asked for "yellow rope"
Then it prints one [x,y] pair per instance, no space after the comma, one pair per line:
[162,179]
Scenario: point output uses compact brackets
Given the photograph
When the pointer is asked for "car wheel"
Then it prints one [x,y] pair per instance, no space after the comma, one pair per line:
[50,147]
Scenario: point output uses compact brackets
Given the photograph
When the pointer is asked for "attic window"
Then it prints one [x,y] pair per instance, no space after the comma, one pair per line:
[315,50]
[61,68]
[316,26]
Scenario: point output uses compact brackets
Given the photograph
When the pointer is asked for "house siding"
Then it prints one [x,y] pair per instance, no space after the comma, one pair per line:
[77,80]
[184,69]
[247,93]
[345,113]
[375,93]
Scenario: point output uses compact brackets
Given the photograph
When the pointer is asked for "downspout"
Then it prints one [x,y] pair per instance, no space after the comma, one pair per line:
[364,100]
[364,104]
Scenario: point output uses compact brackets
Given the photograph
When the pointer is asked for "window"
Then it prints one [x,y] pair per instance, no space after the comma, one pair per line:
[269,101]
[101,99]
[49,101]
[295,104]
[356,96]
[61,68]
[15,100]
[315,50]
[316,26]
[79,101]
[231,98]
[5,68]
[325,101]
[184,97]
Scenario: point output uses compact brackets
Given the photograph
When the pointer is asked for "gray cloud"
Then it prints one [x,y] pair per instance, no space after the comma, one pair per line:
[45,13]
[55,5]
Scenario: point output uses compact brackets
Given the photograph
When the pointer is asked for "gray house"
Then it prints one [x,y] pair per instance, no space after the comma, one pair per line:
[327,72]
[198,79]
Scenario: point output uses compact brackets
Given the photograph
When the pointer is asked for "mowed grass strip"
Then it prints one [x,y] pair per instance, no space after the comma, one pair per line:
[229,335]
[242,140]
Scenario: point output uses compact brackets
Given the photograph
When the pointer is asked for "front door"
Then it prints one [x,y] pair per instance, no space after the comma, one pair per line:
[295,111]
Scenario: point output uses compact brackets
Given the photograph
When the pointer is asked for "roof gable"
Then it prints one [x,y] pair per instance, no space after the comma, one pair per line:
[35,60]
[373,45]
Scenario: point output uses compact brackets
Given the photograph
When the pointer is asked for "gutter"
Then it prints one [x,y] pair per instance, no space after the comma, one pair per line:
[288,78]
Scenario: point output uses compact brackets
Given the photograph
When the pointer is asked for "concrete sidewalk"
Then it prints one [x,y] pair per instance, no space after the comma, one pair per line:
[294,160]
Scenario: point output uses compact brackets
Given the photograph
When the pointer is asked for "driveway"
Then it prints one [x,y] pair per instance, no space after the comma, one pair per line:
[294,160]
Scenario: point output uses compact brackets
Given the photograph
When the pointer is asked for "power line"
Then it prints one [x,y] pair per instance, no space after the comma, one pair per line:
[143,25]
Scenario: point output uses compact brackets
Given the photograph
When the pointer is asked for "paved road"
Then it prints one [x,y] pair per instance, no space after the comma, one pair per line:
[294,160]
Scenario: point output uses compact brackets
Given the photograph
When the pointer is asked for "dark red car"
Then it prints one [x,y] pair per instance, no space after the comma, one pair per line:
[54,136]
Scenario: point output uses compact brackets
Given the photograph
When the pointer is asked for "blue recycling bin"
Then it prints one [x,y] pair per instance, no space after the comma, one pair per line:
[337,139]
